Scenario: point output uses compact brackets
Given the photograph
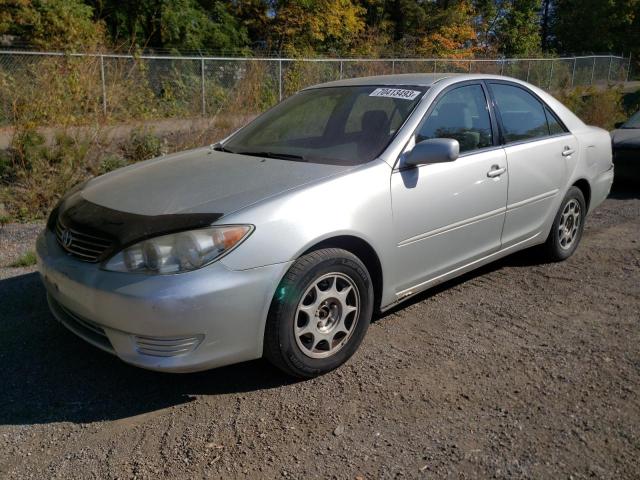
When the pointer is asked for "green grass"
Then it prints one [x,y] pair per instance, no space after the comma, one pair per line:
[26,260]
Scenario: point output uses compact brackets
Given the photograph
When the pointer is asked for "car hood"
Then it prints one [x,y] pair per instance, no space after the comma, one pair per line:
[626,138]
[200,181]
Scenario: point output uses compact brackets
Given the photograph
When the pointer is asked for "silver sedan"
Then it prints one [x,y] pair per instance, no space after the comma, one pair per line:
[345,199]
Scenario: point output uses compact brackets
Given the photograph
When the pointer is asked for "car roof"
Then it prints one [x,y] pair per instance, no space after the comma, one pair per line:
[416,79]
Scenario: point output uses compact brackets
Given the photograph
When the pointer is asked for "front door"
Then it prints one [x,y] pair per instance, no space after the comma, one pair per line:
[449,214]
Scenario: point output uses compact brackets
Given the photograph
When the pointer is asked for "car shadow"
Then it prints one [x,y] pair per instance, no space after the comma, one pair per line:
[50,375]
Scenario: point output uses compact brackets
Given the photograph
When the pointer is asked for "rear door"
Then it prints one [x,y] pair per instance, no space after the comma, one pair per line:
[537,147]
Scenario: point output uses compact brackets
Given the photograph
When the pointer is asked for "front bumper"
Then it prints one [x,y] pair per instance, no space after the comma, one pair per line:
[176,323]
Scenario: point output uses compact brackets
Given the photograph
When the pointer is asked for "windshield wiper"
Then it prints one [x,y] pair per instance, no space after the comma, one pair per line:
[282,156]
[219,148]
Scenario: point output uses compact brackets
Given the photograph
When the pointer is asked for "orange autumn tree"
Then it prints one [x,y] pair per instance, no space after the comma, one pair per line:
[302,26]
[451,33]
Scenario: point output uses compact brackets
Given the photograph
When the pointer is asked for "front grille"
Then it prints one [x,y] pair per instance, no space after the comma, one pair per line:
[166,347]
[82,327]
[85,246]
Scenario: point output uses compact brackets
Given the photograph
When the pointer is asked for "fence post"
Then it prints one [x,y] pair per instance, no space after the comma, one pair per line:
[104,87]
[502,67]
[393,66]
[470,65]
[609,73]
[573,73]
[340,69]
[204,102]
[435,63]
[280,80]
[628,68]
[550,75]
[528,69]
[593,70]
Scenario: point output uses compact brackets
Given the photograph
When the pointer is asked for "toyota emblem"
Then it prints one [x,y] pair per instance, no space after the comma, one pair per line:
[66,238]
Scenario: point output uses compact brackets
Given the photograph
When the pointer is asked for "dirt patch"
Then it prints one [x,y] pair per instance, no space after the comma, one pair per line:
[520,369]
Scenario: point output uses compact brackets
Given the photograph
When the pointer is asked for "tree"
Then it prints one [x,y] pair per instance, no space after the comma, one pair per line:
[587,26]
[509,27]
[177,25]
[450,31]
[315,25]
[519,28]
[52,24]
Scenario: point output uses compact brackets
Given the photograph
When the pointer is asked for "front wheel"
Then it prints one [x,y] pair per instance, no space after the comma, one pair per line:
[568,226]
[320,313]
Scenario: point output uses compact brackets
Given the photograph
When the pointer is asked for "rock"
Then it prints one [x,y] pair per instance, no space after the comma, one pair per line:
[339,430]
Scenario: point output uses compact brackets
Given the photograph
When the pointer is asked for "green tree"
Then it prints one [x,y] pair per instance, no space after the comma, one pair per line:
[52,24]
[519,29]
[177,25]
[508,27]
[585,26]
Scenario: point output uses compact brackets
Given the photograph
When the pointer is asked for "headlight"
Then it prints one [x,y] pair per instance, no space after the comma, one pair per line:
[179,252]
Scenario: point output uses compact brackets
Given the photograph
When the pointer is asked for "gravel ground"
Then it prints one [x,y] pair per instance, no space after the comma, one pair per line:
[520,369]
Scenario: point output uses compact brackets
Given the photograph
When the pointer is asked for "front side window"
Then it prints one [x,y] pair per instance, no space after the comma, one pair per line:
[522,114]
[461,114]
[335,125]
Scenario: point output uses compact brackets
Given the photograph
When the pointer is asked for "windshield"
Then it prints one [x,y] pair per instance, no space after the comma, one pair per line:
[336,125]
[633,122]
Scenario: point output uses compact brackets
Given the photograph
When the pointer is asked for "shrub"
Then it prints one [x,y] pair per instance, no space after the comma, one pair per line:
[111,162]
[599,107]
[42,172]
[142,145]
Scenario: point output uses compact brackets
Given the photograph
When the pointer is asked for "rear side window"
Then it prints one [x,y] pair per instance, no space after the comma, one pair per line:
[555,127]
[460,114]
[523,116]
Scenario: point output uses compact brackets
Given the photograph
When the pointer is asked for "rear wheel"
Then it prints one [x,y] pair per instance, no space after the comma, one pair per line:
[568,226]
[320,313]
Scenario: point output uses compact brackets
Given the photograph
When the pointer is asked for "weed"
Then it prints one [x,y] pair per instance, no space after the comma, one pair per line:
[111,162]
[142,145]
[27,259]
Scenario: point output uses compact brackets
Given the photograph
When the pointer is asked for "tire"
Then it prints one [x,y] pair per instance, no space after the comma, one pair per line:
[319,314]
[565,235]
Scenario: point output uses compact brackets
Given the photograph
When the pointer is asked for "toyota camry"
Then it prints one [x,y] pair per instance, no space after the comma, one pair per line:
[346,199]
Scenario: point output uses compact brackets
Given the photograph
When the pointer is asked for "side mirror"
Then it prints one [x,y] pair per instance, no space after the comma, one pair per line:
[434,150]
[618,124]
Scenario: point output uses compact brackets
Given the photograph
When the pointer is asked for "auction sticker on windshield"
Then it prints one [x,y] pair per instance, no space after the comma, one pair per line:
[395,93]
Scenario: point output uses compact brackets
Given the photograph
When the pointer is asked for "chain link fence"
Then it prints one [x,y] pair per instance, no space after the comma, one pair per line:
[48,88]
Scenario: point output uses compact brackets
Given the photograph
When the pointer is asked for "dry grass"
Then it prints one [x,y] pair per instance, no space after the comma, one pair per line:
[63,136]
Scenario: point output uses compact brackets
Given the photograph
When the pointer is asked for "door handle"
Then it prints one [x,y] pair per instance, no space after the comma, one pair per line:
[567,151]
[496,171]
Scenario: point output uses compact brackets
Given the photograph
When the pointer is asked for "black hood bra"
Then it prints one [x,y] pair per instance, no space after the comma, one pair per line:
[122,228]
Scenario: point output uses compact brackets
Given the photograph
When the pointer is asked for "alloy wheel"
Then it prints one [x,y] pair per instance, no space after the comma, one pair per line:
[569,224]
[327,315]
